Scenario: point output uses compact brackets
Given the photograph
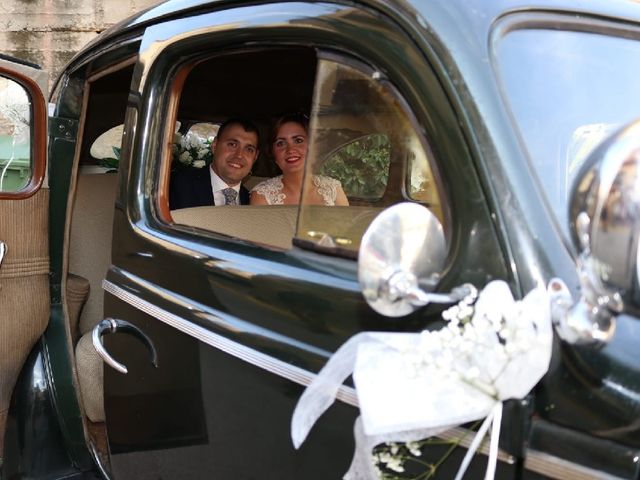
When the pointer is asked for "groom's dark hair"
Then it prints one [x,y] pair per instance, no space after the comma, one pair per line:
[245,123]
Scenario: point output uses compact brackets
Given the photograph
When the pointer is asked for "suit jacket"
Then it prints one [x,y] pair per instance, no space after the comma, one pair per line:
[191,187]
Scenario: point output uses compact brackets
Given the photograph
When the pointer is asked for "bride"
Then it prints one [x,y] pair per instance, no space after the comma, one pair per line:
[289,147]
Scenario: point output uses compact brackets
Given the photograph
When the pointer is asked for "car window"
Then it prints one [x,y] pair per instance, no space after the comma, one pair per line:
[364,141]
[254,85]
[15,136]
[562,101]
[361,138]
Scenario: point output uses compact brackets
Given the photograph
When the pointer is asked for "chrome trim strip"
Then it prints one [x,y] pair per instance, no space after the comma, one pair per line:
[273,365]
[98,460]
[536,461]
[555,467]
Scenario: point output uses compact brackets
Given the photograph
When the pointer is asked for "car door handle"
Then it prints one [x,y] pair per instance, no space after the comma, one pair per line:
[3,251]
[112,325]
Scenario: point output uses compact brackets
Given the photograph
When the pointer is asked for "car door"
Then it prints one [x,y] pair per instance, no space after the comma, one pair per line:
[24,252]
[229,321]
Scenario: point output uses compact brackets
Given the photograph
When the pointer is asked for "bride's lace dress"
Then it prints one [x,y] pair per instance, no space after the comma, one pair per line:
[271,189]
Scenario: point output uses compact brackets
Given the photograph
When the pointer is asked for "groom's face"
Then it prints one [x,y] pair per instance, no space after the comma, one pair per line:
[234,153]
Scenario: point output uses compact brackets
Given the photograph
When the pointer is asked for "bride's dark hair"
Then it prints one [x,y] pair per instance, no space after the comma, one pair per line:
[299,118]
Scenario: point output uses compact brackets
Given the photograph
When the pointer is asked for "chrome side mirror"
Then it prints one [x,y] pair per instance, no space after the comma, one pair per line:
[401,257]
[605,225]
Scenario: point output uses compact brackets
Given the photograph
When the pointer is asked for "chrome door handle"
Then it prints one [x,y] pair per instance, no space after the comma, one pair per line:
[112,325]
[3,251]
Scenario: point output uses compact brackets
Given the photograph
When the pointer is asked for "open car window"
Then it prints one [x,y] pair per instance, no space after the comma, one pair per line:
[361,138]
[255,85]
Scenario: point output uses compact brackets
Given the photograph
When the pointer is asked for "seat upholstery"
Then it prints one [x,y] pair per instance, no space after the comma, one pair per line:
[90,239]
[24,287]
[89,258]
[90,376]
[275,225]
[78,289]
[272,225]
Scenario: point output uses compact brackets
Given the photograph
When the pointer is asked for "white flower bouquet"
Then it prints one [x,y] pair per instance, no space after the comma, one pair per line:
[191,151]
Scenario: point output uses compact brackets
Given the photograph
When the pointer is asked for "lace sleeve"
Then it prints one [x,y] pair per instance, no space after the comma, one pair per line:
[271,190]
[327,188]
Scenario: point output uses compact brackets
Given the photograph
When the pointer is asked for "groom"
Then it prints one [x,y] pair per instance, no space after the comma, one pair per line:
[235,149]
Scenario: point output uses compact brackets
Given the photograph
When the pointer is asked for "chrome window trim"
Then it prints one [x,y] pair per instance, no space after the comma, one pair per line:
[536,461]
[272,365]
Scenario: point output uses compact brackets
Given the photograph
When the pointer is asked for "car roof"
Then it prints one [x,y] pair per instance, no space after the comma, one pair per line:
[462,18]
[468,11]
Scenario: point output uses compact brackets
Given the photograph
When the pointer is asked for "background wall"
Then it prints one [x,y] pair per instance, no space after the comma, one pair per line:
[50,32]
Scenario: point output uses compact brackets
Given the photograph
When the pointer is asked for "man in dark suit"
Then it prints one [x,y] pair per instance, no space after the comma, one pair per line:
[235,149]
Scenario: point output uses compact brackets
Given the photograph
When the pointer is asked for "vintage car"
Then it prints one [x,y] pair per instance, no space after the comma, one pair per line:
[213,320]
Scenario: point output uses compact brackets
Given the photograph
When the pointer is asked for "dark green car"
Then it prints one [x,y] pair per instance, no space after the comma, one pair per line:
[486,113]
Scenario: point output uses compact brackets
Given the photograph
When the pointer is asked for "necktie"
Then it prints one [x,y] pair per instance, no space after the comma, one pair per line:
[230,196]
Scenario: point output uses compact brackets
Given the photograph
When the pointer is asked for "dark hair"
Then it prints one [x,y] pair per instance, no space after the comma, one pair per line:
[299,118]
[245,123]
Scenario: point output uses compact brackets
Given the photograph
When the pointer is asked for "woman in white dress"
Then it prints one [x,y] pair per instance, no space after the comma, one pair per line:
[289,147]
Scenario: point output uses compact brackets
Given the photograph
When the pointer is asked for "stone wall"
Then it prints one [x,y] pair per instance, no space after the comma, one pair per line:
[50,32]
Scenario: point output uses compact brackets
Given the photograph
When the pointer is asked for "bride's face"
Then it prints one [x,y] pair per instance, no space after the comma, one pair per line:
[290,147]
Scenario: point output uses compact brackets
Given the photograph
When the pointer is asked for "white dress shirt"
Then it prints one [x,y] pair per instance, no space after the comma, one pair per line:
[217,185]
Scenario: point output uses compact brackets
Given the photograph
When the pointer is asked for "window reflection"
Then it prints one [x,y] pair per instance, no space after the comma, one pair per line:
[15,144]
[362,136]
[568,90]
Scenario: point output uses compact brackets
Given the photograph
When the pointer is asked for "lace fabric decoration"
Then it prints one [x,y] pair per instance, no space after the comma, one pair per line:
[327,187]
[414,385]
[271,189]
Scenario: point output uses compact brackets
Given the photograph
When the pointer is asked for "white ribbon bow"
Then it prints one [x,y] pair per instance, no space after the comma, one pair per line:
[415,385]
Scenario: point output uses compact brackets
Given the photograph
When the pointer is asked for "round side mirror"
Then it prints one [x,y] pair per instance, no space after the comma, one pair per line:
[605,214]
[401,257]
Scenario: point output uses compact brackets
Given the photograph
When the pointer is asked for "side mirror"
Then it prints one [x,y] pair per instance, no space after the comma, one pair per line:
[401,257]
[605,225]
[605,211]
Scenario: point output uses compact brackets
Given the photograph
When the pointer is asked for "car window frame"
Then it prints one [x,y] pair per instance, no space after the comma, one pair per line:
[38,128]
[149,213]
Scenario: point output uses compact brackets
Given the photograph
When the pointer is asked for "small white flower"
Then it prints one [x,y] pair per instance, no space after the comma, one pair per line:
[185,158]
[472,373]
[391,462]
[465,311]
[452,312]
[414,448]
[384,457]
[199,163]
[395,464]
